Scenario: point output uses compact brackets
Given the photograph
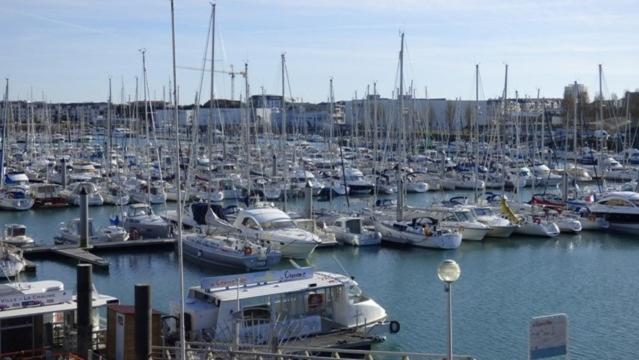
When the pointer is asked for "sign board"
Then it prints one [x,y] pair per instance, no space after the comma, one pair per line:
[548,336]
[257,277]
[16,301]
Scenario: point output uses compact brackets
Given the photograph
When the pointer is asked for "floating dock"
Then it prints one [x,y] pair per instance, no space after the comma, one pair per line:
[86,255]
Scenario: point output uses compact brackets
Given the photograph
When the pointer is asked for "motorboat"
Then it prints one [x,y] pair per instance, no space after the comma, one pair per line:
[70,233]
[420,232]
[462,219]
[228,251]
[327,237]
[153,194]
[93,194]
[351,231]
[270,226]
[620,209]
[533,225]
[500,227]
[17,179]
[140,221]
[114,195]
[356,182]
[47,196]
[254,308]
[15,198]
[16,235]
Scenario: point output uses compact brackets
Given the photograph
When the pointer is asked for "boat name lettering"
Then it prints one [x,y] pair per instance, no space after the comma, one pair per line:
[257,277]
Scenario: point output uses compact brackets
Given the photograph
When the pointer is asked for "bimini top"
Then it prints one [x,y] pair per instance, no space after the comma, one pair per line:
[267,283]
[265,214]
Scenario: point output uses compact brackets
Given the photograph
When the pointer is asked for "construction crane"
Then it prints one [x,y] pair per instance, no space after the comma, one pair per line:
[232,73]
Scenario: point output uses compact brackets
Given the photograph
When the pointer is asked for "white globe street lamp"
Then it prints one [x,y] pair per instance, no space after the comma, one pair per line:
[448,272]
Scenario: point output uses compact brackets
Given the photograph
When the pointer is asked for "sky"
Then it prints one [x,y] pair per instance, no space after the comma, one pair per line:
[66,50]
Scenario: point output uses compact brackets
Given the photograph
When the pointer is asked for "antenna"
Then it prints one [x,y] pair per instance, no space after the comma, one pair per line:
[341,266]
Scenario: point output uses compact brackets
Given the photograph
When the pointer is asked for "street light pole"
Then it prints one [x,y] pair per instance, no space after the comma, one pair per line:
[448,272]
[448,288]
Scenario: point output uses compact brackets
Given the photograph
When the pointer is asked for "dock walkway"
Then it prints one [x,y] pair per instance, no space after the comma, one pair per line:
[74,252]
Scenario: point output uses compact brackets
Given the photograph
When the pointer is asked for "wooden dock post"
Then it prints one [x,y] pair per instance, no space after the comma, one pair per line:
[84,219]
[143,323]
[84,299]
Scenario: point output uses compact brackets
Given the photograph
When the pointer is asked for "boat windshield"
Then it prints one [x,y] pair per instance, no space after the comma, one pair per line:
[464,216]
[279,224]
[483,212]
[355,294]
[17,231]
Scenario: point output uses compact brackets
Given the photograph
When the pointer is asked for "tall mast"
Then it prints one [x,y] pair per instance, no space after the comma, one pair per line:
[601,119]
[146,128]
[109,132]
[283,137]
[211,101]
[248,128]
[179,196]
[475,132]
[500,128]
[5,121]
[574,124]
[400,94]
[331,111]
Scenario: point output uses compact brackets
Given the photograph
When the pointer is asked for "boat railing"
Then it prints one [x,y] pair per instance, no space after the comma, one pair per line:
[196,351]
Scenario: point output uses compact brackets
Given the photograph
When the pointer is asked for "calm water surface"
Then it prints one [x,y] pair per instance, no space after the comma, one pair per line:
[592,277]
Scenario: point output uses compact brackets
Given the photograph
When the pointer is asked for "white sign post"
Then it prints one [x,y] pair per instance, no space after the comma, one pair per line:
[548,336]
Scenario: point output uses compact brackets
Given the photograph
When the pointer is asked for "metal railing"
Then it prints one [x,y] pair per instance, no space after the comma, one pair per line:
[212,351]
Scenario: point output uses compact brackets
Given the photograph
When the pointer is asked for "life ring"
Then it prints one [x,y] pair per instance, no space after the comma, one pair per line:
[247,250]
[393,327]
[135,234]
[537,220]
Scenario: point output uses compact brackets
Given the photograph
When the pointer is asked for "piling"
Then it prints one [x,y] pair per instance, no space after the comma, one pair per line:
[84,300]
[63,161]
[308,201]
[84,219]
[143,320]
[274,172]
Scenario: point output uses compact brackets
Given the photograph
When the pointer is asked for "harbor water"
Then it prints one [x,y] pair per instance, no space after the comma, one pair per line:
[591,276]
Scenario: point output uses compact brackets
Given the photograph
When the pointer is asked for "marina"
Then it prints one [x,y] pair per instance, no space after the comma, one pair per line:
[385,225]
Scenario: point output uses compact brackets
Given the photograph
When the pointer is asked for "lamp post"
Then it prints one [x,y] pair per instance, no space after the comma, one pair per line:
[448,272]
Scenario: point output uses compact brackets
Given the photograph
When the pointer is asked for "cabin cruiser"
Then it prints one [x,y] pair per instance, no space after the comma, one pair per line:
[15,198]
[499,226]
[269,226]
[47,196]
[140,221]
[83,171]
[113,194]
[420,232]
[93,195]
[287,304]
[70,233]
[620,209]
[17,179]
[153,194]
[228,251]
[317,227]
[351,231]
[356,182]
[16,235]
[460,218]
[46,312]
[545,176]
